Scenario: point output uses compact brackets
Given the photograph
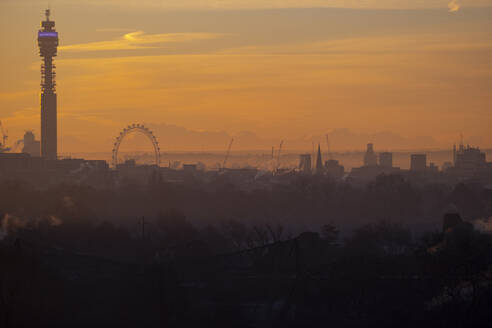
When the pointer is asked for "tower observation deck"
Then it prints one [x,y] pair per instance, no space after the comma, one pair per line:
[48,44]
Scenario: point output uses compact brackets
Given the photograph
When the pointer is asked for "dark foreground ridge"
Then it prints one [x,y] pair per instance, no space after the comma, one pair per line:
[379,276]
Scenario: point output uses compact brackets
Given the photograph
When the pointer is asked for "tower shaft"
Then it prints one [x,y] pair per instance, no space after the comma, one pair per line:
[48,44]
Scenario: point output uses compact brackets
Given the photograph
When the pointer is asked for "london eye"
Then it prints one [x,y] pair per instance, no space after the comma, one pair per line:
[136,128]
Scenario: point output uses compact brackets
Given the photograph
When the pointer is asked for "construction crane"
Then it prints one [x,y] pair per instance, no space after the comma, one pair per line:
[3,146]
[328,145]
[4,135]
[278,154]
[312,158]
[227,154]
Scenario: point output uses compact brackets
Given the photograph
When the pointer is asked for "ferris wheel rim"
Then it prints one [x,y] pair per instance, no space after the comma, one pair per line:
[140,128]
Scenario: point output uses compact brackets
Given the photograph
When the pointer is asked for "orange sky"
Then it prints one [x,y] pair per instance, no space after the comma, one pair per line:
[408,68]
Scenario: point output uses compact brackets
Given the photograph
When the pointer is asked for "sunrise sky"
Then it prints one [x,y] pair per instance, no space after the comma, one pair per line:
[416,71]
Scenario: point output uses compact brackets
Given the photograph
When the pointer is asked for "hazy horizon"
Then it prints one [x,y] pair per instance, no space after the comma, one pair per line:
[261,158]
[400,74]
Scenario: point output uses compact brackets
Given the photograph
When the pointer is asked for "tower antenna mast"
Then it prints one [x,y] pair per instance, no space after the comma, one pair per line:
[48,45]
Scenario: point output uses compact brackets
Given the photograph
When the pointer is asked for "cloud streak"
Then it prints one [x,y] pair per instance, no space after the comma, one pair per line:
[140,40]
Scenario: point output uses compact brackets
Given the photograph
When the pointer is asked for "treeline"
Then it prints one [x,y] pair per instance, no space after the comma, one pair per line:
[80,272]
[298,203]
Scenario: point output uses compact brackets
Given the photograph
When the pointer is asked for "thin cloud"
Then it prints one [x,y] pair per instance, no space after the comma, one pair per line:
[139,40]
[374,45]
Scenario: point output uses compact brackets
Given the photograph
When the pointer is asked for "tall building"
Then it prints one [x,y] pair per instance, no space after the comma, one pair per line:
[305,163]
[469,158]
[31,145]
[469,162]
[48,44]
[386,160]
[418,162]
[370,158]
[334,169]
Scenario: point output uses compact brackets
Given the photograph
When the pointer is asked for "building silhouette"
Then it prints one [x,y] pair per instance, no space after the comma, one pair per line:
[305,163]
[48,43]
[469,162]
[371,168]
[469,158]
[418,162]
[386,160]
[370,157]
[31,145]
[334,169]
